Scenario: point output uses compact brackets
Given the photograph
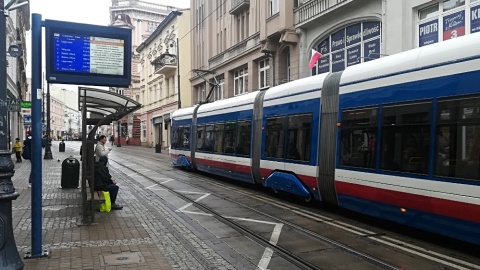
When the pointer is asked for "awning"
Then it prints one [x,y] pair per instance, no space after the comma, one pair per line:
[104,105]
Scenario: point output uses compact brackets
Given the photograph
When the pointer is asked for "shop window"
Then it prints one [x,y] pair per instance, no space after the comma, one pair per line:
[299,137]
[457,145]
[358,138]
[406,138]
[275,137]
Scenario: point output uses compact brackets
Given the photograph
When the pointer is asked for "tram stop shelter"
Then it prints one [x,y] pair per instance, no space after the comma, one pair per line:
[98,107]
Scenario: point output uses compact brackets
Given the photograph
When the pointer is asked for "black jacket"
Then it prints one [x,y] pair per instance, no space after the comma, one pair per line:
[103,177]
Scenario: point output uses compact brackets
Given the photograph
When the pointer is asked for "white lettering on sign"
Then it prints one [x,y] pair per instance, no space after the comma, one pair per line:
[353,37]
[427,29]
[337,43]
[372,30]
[454,21]
[474,14]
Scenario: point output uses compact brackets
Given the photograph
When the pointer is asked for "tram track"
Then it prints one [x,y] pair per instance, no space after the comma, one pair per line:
[426,253]
[283,252]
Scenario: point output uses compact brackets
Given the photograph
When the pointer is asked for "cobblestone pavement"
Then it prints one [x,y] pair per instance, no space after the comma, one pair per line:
[144,235]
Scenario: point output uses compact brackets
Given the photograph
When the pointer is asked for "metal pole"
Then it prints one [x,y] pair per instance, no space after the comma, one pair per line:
[178,75]
[118,132]
[9,257]
[36,156]
[48,143]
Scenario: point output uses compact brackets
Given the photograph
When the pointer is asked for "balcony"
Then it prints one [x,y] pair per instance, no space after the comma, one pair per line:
[235,51]
[165,64]
[237,6]
[313,9]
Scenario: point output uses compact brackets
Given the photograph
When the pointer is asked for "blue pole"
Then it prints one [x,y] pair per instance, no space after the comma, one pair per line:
[36,135]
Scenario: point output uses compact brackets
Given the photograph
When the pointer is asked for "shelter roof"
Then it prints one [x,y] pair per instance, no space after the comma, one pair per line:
[104,105]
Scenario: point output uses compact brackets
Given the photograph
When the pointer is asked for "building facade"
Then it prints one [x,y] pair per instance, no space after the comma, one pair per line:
[142,17]
[17,24]
[241,47]
[161,77]
[349,32]
[56,118]
[72,123]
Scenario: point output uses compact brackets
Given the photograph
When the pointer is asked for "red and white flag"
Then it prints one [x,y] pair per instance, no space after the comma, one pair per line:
[315,56]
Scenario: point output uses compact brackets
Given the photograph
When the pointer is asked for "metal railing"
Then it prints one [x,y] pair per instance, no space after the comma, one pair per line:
[237,3]
[313,9]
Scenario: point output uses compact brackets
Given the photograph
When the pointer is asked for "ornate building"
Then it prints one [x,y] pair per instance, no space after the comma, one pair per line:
[142,17]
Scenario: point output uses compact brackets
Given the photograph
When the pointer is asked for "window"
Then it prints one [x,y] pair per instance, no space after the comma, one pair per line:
[447,19]
[219,90]
[406,138]
[274,142]
[299,137]
[457,145]
[201,95]
[264,70]
[209,138]
[243,138]
[273,7]
[358,138]
[348,46]
[218,138]
[229,138]
[144,130]
[240,81]
[185,138]
[201,138]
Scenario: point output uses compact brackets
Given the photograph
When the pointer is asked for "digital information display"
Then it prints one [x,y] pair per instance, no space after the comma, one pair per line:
[86,54]
[79,53]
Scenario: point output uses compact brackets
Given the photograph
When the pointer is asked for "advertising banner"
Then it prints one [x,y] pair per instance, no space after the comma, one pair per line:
[475,19]
[353,55]
[454,25]
[428,33]
[338,61]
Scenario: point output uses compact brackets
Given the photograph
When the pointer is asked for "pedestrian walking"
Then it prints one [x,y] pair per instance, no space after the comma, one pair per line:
[18,147]
[27,152]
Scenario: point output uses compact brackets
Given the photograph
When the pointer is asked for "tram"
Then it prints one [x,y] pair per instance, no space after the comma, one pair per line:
[397,138]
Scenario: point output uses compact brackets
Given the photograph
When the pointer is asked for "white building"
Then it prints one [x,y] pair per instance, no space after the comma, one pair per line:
[348,32]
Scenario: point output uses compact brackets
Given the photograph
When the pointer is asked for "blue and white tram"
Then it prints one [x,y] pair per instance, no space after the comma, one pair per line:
[397,138]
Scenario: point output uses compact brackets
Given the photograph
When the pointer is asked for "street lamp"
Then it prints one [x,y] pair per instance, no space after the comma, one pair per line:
[48,148]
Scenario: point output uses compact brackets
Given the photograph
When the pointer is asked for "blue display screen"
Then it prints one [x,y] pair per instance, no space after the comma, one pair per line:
[72,53]
[87,54]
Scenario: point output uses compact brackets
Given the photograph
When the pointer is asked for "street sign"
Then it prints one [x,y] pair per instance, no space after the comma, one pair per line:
[26,104]
[28,119]
[13,105]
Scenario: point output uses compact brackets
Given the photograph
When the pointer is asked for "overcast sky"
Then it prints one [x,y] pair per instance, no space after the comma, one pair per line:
[80,11]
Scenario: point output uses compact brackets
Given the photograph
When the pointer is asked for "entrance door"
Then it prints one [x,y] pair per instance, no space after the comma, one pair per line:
[160,131]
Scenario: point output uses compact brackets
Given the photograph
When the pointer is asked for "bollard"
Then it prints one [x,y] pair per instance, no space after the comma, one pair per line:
[61,147]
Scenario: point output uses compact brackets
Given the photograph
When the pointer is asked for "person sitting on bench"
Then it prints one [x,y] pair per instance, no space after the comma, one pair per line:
[104,181]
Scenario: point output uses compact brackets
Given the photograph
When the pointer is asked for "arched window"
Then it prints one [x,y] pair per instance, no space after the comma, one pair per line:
[349,46]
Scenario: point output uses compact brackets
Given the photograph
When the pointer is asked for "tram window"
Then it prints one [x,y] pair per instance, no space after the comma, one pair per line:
[274,142]
[229,138]
[299,137]
[243,138]
[406,138]
[218,138]
[173,138]
[209,138]
[457,143]
[201,138]
[186,138]
[179,138]
[358,138]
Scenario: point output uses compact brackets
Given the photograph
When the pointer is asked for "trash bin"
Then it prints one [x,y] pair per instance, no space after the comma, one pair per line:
[158,148]
[61,147]
[70,173]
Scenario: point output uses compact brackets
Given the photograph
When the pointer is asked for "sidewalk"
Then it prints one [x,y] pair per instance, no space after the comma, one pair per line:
[119,240]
